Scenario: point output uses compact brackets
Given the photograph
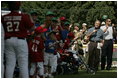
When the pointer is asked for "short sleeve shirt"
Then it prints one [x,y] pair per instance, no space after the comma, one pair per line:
[16,24]
[108,34]
[36,48]
[48,49]
[97,36]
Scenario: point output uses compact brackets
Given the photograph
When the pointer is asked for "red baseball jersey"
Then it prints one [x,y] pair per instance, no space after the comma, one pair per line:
[36,48]
[58,34]
[16,24]
[66,44]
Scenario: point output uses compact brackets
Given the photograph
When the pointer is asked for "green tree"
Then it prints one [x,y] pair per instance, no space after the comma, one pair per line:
[75,11]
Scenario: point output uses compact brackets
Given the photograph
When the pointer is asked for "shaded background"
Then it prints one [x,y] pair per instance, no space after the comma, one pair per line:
[75,11]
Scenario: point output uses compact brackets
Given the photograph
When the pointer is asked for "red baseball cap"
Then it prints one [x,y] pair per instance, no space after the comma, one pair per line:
[40,29]
[63,18]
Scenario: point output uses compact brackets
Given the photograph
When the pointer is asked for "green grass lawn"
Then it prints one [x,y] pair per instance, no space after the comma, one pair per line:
[99,74]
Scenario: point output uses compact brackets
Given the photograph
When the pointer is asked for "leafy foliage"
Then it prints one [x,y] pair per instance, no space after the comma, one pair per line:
[75,11]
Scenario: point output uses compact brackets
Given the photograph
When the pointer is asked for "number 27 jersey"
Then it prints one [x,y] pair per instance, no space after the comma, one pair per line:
[16,24]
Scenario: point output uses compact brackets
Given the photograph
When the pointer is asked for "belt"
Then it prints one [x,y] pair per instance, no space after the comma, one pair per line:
[95,41]
[16,37]
[108,39]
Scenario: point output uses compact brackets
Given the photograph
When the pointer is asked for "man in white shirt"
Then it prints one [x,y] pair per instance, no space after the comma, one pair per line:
[107,50]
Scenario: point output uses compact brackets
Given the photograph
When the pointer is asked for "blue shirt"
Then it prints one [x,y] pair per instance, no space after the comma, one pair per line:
[64,34]
[97,36]
[49,42]
[46,33]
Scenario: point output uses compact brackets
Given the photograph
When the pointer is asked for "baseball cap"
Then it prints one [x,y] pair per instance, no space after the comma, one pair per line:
[84,24]
[63,18]
[66,23]
[40,29]
[49,13]
[76,24]
[104,16]
[103,23]
[54,19]
[33,13]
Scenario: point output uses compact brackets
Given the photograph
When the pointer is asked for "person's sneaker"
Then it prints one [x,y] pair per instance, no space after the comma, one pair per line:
[92,72]
[37,76]
[50,76]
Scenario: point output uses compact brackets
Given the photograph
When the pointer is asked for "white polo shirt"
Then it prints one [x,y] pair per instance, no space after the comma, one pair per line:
[108,34]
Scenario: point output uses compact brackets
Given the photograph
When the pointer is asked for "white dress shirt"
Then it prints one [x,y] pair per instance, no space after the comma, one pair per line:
[108,34]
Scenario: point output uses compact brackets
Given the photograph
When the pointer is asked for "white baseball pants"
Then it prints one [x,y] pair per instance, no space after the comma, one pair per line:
[40,68]
[2,51]
[16,49]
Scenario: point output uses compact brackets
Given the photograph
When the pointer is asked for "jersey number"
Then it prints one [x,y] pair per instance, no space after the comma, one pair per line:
[34,48]
[10,26]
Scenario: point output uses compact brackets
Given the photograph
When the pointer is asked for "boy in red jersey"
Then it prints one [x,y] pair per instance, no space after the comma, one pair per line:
[36,54]
[68,40]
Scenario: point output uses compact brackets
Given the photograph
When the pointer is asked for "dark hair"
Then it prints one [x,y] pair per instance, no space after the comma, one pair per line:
[107,19]
[14,5]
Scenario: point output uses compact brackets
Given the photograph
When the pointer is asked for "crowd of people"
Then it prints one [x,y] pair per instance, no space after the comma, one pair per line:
[36,48]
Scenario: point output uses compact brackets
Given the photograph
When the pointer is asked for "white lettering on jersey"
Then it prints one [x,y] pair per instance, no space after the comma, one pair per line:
[12,18]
